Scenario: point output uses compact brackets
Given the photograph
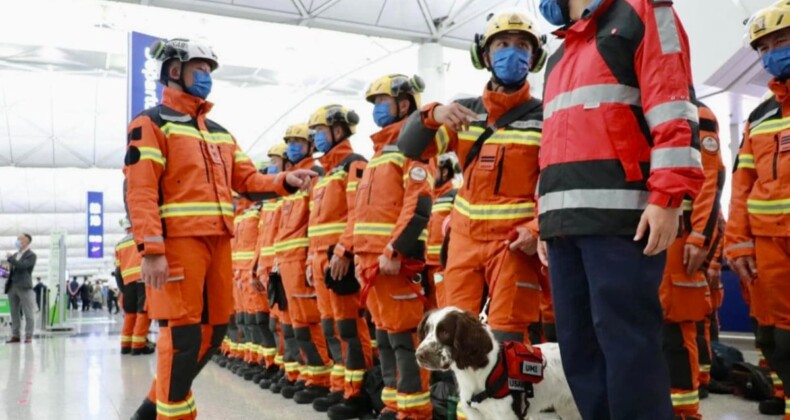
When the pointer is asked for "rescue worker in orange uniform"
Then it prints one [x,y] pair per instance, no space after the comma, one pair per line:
[241,355]
[497,198]
[291,245]
[396,195]
[684,291]
[332,205]
[134,334]
[443,197]
[757,238]
[181,169]
[284,366]
[708,329]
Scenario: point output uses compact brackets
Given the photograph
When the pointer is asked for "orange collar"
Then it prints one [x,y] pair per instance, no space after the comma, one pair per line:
[497,103]
[387,135]
[185,103]
[780,89]
[336,155]
[307,163]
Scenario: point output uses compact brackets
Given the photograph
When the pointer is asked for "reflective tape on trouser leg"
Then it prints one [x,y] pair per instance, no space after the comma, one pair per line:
[677,357]
[387,359]
[335,349]
[267,335]
[503,336]
[184,365]
[355,357]
[409,379]
[307,346]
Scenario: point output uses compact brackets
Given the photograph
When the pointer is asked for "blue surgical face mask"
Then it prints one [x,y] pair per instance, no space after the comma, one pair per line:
[322,142]
[201,84]
[272,170]
[552,11]
[381,114]
[511,65]
[295,152]
[18,244]
[777,62]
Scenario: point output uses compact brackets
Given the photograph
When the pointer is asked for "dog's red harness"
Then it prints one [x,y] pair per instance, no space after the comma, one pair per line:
[518,366]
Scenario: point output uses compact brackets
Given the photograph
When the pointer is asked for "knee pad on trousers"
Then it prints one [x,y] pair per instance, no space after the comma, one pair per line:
[409,378]
[310,351]
[387,359]
[677,357]
[249,319]
[263,320]
[239,318]
[355,358]
[335,349]
[291,346]
[764,340]
[781,357]
[184,365]
[503,336]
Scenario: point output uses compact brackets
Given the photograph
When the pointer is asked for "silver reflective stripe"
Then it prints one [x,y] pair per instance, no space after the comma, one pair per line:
[153,239]
[594,199]
[481,117]
[304,296]
[390,148]
[405,297]
[437,278]
[696,284]
[175,278]
[527,124]
[592,97]
[127,238]
[445,200]
[767,115]
[675,110]
[667,30]
[176,118]
[697,234]
[525,285]
[740,246]
[675,157]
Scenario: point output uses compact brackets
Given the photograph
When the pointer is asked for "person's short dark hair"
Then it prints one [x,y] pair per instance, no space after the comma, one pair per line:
[38,278]
[29,238]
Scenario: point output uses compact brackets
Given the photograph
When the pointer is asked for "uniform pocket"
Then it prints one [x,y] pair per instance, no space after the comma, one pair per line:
[687,299]
[167,302]
[517,173]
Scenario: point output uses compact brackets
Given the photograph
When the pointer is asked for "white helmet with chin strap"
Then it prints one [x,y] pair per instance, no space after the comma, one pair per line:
[182,50]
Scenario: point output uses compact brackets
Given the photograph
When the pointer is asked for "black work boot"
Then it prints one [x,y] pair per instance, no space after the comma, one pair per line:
[251,372]
[280,384]
[322,404]
[772,406]
[288,391]
[310,393]
[353,408]
[146,411]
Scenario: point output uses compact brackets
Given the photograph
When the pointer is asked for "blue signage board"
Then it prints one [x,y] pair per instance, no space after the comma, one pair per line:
[144,90]
[95,224]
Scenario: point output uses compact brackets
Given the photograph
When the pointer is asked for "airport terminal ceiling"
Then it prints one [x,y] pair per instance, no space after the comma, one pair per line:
[63,84]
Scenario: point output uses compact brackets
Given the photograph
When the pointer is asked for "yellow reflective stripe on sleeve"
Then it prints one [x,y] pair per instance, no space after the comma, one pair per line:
[185,130]
[325,229]
[746,161]
[394,158]
[242,255]
[268,251]
[770,127]
[434,249]
[125,244]
[352,186]
[376,229]
[130,271]
[439,207]
[337,176]
[494,211]
[245,216]
[239,156]
[442,139]
[153,154]
[196,209]
[768,206]
[413,400]
[290,244]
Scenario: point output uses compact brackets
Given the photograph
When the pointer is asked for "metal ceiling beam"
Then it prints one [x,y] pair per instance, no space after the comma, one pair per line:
[300,7]
[426,14]
[455,25]
[323,8]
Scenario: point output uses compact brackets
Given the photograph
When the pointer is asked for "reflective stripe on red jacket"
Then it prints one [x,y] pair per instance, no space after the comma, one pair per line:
[620,128]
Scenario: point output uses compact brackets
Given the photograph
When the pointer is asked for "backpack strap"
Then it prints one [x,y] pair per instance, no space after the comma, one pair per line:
[509,117]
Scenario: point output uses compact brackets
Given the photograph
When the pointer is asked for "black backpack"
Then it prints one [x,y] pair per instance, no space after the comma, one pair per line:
[751,382]
[724,357]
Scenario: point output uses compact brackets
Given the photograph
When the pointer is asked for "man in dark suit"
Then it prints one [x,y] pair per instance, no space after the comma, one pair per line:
[19,288]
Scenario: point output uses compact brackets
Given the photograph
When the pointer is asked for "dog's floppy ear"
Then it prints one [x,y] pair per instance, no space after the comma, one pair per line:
[422,329]
[471,342]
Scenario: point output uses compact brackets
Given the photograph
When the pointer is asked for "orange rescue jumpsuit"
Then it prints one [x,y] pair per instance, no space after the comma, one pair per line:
[135,320]
[759,224]
[443,198]
[396,195]
[685,298]
[181,169]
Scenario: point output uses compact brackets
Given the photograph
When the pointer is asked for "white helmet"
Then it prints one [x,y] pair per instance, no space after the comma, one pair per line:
[183,50]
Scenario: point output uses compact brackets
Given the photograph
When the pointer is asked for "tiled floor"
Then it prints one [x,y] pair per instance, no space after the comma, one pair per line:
[81,375]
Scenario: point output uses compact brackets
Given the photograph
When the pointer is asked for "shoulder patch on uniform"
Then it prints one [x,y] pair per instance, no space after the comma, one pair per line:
[710,144]
[418,173]
[135,134]
[132,156]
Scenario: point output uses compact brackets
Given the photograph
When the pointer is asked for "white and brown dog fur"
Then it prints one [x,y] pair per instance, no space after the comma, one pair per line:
[451,339]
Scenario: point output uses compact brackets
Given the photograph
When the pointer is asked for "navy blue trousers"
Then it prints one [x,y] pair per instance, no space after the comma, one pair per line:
[609,324]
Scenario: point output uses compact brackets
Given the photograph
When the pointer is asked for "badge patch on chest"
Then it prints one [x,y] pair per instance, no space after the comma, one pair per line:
[709,144]
[784,142]
[418,174]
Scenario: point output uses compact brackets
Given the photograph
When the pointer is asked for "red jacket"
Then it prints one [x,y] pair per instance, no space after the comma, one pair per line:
[620,129]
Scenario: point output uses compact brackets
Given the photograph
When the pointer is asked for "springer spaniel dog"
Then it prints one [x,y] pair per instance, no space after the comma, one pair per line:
[451,339]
